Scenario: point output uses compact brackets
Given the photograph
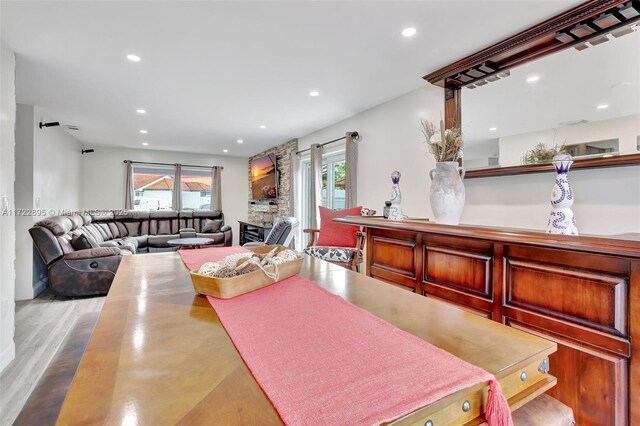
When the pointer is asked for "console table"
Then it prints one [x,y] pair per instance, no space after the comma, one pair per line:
[582,292]
[253,232]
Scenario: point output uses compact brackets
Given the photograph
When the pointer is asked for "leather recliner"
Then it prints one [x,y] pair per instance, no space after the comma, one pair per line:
[90,272]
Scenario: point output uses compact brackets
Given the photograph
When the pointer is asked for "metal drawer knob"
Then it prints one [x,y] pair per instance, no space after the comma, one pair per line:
[523,376]
[428,423]
[466,406]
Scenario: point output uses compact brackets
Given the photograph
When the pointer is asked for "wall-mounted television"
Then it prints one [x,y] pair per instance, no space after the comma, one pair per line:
[264,178]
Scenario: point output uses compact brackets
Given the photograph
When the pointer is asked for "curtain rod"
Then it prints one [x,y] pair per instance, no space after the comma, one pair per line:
[353,135]
[170,164]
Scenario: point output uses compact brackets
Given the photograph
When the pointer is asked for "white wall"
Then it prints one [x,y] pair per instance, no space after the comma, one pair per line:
[390,139]
[57,166]
[625,129]
[48,178]
[24,200]
[7,223]
[104,178]
[607,200]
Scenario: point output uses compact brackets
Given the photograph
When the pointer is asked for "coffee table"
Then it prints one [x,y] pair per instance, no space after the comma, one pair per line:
[190,242]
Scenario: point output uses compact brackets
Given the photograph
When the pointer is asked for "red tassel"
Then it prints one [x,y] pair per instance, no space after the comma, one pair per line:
[498,412]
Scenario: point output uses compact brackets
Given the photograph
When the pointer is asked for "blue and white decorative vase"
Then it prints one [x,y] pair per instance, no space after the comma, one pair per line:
[395,211]
[561,218]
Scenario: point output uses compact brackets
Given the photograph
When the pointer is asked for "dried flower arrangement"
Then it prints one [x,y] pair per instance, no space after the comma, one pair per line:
[541,153]
[444,144]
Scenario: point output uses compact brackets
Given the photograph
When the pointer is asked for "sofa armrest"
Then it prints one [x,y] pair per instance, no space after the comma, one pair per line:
[85,272]
[187,233]
[92,253]
[110,243]
[228,235]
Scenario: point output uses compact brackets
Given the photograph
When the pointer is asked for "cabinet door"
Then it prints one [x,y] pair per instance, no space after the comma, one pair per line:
[393,257]
[591,381]
[580,301]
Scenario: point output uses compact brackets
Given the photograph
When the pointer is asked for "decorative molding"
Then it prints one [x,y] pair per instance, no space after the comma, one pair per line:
[527,45]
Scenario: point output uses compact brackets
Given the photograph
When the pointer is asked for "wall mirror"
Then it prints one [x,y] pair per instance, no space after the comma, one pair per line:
[572,81]
[587,101]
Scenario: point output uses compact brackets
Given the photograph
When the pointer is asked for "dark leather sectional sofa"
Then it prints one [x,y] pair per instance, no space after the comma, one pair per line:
[90,271]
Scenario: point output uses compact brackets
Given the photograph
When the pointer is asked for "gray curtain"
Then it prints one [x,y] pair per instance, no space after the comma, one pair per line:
[294,180]
[316,183]
[176,202]
[129,190]
[216,188]
[351,156]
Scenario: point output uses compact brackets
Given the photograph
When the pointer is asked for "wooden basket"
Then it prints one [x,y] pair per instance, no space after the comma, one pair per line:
[226,288]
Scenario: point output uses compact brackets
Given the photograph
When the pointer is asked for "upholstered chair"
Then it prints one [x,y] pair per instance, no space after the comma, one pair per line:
[283,232]
[337,243]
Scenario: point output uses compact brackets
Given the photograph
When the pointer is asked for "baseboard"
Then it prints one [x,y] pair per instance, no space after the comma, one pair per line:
[39,287]
[7,355]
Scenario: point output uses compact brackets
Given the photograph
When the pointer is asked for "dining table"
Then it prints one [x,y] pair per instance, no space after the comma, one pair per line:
[160,355]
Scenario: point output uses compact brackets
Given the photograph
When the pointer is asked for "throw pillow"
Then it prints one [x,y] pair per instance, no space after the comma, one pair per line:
[82,242]
[211,226]
[337,234]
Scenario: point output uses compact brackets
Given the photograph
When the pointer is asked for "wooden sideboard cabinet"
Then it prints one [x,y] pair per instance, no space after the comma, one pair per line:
[581,292]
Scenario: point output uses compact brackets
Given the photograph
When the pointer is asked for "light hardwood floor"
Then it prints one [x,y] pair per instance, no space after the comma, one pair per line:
[41,325]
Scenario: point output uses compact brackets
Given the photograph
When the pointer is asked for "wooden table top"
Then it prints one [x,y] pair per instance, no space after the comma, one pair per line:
[159,354]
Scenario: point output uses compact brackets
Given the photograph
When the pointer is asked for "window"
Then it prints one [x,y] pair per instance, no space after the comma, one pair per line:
[196,188]
[153,187]
[333,183]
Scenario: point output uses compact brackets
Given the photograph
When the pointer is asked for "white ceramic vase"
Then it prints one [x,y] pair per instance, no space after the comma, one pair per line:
[561,218]
[447,192]
[395,211]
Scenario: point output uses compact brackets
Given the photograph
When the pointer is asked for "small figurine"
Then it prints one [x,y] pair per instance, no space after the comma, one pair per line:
[395,211]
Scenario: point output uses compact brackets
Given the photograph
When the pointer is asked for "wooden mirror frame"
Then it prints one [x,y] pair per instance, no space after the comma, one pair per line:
[573,28]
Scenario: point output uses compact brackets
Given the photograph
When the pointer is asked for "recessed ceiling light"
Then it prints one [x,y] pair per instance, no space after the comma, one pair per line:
[145,143]
[314,93]
[239,141]
[225,150]
[622,83]
[493,129]
[144,132]
[263,126]
[141,111]
[133,58]
[533,79]
[603,106]
[409,32]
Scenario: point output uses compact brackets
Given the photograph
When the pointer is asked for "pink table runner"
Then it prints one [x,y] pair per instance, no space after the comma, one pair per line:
[321,360]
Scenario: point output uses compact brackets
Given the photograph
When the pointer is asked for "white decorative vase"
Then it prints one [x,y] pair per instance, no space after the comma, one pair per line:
[561,218]
[447,192]
[395,211]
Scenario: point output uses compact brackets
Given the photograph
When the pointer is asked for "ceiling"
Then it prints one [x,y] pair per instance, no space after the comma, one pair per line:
[571,85]
[214,72]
